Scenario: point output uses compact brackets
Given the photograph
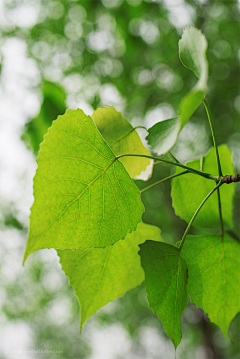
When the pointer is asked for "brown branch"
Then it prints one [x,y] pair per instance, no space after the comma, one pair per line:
[231,178]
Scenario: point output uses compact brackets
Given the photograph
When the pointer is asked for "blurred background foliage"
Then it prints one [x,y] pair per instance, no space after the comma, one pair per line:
[121,53]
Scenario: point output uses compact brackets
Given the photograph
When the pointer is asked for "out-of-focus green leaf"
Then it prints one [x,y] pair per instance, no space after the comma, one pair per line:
[190,190]
[100,275]
[166,285]
[82,198]
[122,139]
[192,52]
[53,104]
[214,276]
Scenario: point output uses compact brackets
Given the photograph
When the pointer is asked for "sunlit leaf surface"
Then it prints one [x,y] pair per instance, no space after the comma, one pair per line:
[99,275]
[82,198]
[122,139]
[214,276]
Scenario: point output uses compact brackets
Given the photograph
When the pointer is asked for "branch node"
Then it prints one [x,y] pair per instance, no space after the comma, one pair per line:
[231,178]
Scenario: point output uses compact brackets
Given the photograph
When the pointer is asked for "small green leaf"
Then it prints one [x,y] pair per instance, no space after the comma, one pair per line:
[82,198]
[190,190]
[189,104]
[166,285]
[214,276]
[122,139]
[100,275]
[192,53]
[163,135]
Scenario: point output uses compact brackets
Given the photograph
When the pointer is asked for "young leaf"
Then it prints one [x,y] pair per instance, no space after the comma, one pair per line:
[214,276]
[163,135]
[166,285]
[82,198]
[189,191]
[192,52]
[100,275]
[122,139]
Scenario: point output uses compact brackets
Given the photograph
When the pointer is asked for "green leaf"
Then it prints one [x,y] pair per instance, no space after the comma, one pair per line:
[190,190]
[214,276]
[100,275]
[53,104]
[122,139]
[82,198]
[189,104]
[163,135]
[166,285]
[192,52]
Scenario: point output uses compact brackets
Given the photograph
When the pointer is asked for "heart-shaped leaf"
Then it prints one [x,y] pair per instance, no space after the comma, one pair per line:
[82,197]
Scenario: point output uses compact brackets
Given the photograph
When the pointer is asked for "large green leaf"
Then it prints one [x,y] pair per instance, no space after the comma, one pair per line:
[192,52]
[82,198]
[100,275]
[214,276]
[190,190]
[166,285]
[122,139]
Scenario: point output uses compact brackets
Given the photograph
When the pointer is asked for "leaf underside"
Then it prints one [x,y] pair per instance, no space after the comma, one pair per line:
[163,134]
[214,276]
[122,139]
[192,52]
[166,285]
[191,187]
[100,275]
[81,198]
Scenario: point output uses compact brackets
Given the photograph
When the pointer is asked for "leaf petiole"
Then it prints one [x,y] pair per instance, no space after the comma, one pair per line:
[200,173]
[220,213]
[195,214]
[213,136]
[163,180]
[174,158]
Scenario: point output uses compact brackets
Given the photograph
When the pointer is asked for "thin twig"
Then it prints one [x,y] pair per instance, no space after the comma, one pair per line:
[173,157]
[195,214]
[220,213]
[213,136]
[200,173]
[163,180]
